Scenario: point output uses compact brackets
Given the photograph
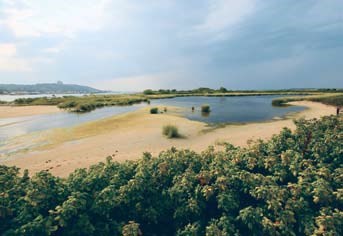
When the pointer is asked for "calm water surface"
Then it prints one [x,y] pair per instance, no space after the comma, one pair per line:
[229,109]
[223,110]
[11,127]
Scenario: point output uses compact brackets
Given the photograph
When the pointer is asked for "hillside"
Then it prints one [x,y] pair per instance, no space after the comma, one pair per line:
[50,88]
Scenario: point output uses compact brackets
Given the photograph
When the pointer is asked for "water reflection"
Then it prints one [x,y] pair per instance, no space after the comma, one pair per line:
[228,109]
[205,114]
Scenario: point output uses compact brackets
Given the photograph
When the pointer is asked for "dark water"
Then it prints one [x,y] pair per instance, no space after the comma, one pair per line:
[223,110]
[229,109]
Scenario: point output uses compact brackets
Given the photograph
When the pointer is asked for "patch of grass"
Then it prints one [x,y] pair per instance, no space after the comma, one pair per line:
[170,131]
[154,110]
[328,99]
[85,103]
[39,101]
[205,108]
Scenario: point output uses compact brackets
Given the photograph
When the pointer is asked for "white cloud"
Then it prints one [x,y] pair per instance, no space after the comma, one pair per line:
[130,83]
[33,18]
[225,15]
[9,60]
[55,49]
[165,80]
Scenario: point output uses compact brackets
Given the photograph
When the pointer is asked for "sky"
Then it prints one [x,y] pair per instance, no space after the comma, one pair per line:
[131,45]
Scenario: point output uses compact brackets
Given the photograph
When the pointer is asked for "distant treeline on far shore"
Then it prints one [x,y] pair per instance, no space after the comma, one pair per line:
[204,90]
[91,102]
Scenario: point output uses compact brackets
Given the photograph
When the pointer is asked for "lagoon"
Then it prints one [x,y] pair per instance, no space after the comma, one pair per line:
[239,109]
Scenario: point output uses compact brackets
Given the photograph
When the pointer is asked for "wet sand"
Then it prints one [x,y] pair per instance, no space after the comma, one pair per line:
[19,111]
[127,136]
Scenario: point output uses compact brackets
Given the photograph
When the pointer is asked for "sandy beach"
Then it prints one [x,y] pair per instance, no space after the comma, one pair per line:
[126,137]
[19,111]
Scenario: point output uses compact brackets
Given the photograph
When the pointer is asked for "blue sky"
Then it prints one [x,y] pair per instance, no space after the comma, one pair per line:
[137,44]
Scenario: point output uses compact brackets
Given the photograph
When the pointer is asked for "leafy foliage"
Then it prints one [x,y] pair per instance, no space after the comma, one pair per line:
[289,185]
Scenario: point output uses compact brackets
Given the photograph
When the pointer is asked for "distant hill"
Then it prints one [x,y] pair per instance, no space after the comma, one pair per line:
[49,88]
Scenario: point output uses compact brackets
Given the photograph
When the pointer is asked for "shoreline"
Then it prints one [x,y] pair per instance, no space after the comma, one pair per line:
[127,136]
[22,111]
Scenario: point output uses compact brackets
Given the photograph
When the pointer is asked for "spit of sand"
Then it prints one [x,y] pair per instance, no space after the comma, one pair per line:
[126,137]
[18,111]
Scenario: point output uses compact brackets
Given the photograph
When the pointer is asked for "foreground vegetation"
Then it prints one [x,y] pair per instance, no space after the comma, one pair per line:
[289,185]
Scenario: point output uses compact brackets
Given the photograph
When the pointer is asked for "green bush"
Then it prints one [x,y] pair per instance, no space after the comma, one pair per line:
[289,185]
[85,107]
[205,108]
[154,110]
[148,92]
[68,104]
[170,131]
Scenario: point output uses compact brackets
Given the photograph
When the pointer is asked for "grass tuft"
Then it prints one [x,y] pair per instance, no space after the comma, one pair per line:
[154,110]
[170,131]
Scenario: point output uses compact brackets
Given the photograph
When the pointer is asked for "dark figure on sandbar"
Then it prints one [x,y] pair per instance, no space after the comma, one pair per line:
[192,108]
[337,111]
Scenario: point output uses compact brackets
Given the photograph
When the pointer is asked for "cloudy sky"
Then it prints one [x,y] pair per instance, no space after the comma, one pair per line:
[136,44]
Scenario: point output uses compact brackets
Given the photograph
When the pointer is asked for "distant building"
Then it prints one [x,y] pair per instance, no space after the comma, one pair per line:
[59,82]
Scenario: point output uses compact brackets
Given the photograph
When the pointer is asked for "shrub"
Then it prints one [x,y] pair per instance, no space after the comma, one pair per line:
[205,108]
[85,108]
[170,131]
[148,92]
[154,110]
[66,105]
